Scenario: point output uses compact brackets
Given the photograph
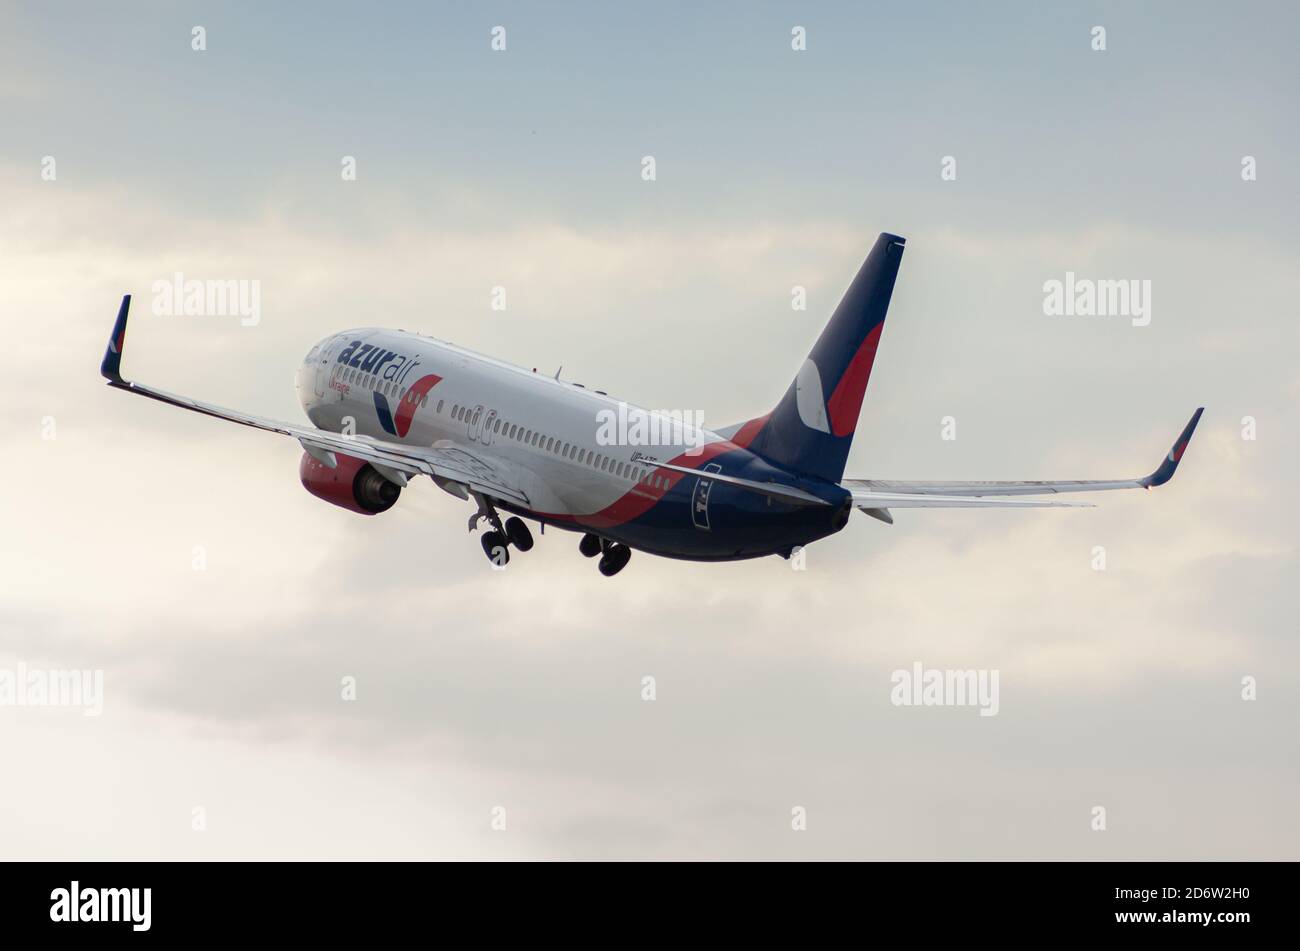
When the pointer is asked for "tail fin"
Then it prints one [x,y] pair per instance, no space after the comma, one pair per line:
[811,429]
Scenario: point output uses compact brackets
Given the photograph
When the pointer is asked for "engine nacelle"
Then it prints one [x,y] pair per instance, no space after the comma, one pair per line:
[353,484]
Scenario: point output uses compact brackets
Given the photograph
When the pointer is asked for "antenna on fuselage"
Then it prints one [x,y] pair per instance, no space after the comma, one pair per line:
[557,372]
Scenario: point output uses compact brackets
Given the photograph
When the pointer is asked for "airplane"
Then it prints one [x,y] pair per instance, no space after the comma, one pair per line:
[386,406]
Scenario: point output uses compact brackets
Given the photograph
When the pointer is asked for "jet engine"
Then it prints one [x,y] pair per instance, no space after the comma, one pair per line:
[353,484]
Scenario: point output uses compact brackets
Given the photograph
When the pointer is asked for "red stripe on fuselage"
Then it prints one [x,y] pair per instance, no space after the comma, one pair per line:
[411,401]
[747,433]
[642,497]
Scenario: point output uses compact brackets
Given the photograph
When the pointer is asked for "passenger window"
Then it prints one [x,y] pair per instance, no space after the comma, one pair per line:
[439,410]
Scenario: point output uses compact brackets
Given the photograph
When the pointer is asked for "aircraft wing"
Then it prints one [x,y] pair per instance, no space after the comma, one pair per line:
[877,494]
[395,461]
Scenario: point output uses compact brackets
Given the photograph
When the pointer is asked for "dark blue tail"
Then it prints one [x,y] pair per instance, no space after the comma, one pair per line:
[111,366]
[811,429]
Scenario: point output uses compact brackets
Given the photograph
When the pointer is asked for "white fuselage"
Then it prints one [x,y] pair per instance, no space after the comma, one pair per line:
[549,432]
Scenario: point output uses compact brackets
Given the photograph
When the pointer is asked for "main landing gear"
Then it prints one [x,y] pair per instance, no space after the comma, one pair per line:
[613,556]
[517,533]
[496,543]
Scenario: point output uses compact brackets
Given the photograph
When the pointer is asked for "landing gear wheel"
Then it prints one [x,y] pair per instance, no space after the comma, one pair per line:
[519,534]
[589,546]
[612,562]
[496,548]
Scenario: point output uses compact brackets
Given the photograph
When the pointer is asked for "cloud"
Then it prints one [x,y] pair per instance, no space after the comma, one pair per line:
[522,688]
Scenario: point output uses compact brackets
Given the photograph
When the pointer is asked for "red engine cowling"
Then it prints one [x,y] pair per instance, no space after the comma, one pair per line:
[353,484]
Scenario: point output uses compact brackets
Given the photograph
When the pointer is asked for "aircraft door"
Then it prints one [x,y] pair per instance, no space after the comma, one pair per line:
[323,366]
[476,424]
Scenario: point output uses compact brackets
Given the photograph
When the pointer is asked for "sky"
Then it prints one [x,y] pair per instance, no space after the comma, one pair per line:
[500,714]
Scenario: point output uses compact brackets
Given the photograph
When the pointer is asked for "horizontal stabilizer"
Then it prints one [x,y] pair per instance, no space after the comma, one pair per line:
[874,501]
[869,489]
[785,493]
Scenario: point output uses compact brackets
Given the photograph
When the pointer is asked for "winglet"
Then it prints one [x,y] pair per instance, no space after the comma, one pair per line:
[110,369]
[1170,462]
